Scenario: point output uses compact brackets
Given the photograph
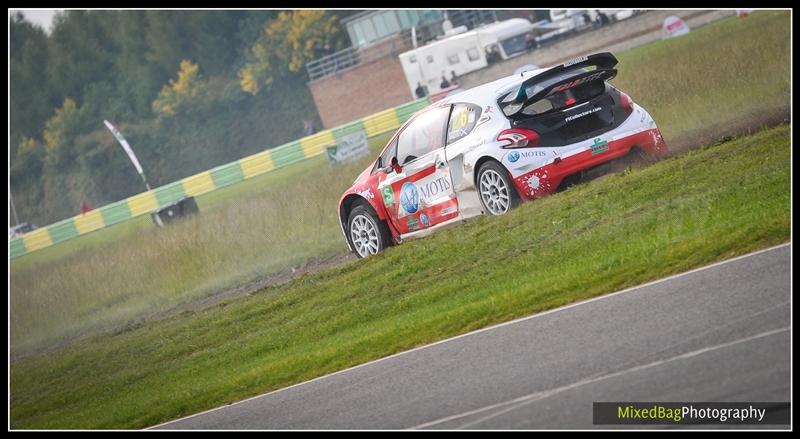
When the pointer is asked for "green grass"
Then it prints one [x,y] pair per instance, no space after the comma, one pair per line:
[87,242]
[615,232]
[212,200]
[260,228]
[698,87]
[722,79]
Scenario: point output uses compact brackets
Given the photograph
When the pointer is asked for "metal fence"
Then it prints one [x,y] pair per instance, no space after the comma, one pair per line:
[330,65]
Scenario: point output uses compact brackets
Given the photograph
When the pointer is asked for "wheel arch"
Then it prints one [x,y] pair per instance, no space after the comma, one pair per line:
[486,159]
[352,200]
[347,205]
[479,163]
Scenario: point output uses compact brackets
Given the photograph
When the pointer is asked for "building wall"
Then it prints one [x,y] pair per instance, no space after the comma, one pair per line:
[381,84]
[360,91]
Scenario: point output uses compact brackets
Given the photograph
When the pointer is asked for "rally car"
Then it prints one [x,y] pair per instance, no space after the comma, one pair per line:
[484,150]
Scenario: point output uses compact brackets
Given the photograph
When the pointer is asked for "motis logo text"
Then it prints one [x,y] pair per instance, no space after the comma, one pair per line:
[435,187]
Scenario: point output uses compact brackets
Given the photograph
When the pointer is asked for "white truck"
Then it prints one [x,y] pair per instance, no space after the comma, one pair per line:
[464,52]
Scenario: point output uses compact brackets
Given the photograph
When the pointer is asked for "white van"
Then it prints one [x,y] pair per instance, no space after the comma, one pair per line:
[463,53]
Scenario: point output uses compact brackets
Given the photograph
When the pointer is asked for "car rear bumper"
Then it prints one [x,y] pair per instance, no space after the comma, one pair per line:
[546,179]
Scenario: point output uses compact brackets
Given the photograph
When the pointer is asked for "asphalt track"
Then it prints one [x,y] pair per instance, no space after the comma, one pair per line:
[718,333]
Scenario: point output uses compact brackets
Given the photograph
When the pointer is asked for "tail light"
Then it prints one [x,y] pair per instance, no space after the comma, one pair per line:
[518,138]
[626,102]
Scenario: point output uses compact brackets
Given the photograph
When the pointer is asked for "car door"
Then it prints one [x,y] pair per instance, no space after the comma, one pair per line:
[419,193]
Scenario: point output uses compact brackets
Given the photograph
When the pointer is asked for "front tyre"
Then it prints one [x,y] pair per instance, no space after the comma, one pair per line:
[498,195]
[368,235]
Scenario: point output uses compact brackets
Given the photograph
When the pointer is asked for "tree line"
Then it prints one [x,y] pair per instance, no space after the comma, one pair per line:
[189,90]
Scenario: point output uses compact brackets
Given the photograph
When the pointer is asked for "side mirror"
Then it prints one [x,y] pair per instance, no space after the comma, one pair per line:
[394,166]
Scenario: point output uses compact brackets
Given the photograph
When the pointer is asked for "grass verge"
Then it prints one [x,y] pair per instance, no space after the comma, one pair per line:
[718,80]
[615,232]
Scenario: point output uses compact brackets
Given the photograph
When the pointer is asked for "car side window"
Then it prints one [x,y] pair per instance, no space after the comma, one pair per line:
[424,135]
[386,157]
[462,120]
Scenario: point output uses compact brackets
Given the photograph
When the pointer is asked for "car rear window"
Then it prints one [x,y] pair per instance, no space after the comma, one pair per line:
[571,96]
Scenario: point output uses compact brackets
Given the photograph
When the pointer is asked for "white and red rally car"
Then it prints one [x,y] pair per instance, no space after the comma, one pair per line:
[488,148]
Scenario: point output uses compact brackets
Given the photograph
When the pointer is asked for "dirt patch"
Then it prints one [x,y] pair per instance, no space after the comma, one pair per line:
[740,126]
[253,286]
[198,304]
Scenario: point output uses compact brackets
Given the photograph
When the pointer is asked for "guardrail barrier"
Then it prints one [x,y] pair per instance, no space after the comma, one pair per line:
[207,181]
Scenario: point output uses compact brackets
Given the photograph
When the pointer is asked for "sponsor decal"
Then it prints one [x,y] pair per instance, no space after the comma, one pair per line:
[576,116]
[599,146]
[476,145]
[415,196]
[447,210]
[513,157]
[424,220]
[485,118]
[467,168]
[571,84]
[367,193]
[533,182]
[488,109]
[409,197]
[433,188]
[657,139]
[575,61]
[413,224]
[388,196]
[529,154]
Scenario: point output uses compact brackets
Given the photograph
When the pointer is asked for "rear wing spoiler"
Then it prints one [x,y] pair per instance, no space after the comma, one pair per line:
[561,77]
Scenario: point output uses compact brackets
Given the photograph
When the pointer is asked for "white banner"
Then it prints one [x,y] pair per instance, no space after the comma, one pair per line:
[673,27]
[349,148]
[125,146]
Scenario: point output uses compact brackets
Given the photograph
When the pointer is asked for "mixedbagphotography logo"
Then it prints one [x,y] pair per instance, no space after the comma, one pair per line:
[691,413]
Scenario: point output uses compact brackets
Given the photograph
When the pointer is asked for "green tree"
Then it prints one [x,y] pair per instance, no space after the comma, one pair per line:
[80,52]
[31,97]
[121,66]
[287,44]
[27,165]
[60,132]
[180,93]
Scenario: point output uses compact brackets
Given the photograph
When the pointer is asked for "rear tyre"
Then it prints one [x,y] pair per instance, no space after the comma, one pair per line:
[497,193]
[368,235]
